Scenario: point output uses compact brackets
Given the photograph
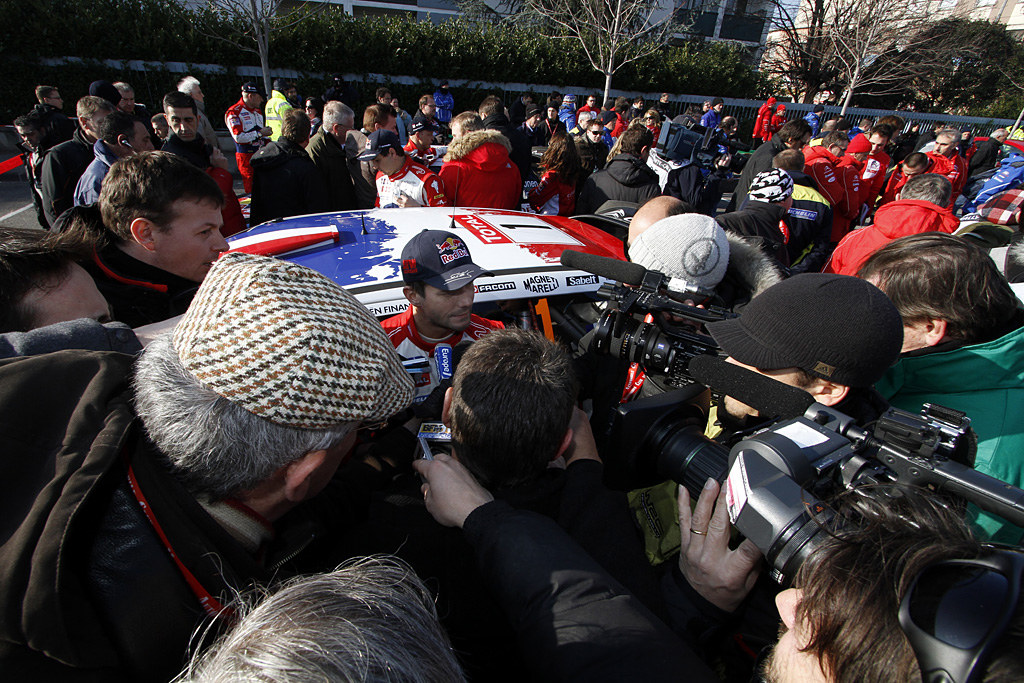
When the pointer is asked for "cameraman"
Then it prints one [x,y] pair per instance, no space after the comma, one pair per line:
[831,335]
[843,617]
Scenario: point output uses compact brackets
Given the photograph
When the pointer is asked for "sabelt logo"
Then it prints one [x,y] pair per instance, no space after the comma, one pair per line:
[580,280]
[541,284]
[496,287]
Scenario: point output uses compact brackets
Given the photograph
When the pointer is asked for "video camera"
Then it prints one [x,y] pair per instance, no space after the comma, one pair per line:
[693,143]
[776,478]
[661,348]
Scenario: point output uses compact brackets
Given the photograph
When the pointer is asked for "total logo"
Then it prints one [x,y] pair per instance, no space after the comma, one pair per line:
[541,284]
[580,280]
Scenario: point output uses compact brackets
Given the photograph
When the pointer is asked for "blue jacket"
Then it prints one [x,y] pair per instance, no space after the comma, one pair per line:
[711,119]
[445,105]
[1009,176]
[89,185]
[814,121]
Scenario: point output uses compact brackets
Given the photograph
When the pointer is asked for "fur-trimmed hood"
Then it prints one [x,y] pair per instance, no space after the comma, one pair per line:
[750,265]
[461,147]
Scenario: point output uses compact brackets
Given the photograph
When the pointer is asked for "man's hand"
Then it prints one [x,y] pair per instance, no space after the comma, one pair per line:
[266,131]
[449,490]
[723,577]
[404,201]
[582,446]
[218,159]
[723,161]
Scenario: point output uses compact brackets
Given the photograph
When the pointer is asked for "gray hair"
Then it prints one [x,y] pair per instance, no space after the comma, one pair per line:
[928,187]
[123,87]
[951,135]
[584,117]
[336,112]
[214,447]
[372,620]
[1000,132]
[188,84]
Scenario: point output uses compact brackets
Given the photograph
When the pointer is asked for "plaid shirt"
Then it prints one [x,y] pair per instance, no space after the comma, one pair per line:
[1004,208]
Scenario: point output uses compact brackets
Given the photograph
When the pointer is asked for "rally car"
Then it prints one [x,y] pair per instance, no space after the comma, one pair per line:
[361,251]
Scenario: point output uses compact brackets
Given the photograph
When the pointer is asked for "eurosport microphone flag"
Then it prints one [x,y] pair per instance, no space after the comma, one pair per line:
[443,356]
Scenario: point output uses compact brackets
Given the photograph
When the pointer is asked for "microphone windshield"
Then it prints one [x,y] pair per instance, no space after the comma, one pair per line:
[767,396]
[613,269]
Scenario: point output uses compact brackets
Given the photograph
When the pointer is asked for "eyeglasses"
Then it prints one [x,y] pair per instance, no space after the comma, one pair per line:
[956,611]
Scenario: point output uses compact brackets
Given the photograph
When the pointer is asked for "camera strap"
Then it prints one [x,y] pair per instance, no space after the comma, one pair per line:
[636,375]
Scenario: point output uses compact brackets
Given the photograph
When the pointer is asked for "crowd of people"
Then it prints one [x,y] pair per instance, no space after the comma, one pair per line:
[189,425]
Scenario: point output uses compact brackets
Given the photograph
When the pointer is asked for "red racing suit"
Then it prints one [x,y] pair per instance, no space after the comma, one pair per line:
[401,330]
[412,180]
[841,186]
[956,171]
[245,125]
[872,178]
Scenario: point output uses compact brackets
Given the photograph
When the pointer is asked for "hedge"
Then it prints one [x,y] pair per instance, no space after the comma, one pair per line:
[327,42]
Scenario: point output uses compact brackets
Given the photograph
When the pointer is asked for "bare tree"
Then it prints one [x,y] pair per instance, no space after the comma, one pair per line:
[613,33]
[798,55]
[248,24]
[874,47]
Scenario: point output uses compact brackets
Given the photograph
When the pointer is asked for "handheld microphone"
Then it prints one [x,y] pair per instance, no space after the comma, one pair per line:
[767,396]
[613,269]
[444,356]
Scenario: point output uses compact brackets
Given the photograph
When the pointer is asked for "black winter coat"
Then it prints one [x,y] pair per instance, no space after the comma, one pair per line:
[760,160]
[759,221]
[521,154]
[625,179]
[62,167]
[285,183]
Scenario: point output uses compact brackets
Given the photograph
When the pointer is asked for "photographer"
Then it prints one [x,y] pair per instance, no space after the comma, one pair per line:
[511,410]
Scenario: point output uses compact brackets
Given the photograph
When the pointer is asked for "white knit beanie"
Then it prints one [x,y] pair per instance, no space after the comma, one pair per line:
[691,247]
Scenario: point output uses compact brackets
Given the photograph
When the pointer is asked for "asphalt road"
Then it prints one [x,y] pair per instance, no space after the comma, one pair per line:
[16,202]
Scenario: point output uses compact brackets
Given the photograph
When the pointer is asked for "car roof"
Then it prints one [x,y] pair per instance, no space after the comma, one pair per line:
[361,250]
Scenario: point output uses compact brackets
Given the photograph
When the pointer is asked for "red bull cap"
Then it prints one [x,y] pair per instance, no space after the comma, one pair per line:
[440,259]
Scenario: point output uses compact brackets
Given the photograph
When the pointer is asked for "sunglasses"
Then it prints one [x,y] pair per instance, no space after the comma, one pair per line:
[956,611]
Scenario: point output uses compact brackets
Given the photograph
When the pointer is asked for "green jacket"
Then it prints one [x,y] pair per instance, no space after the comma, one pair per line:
[277,105]
[986,381]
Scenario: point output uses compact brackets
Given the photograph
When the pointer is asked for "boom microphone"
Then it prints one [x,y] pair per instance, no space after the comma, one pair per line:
[767,396]
[613,269]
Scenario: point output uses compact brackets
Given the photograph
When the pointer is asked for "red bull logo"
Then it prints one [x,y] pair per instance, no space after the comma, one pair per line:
[451,249]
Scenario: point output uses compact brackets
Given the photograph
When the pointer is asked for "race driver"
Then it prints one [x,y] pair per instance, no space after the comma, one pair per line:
[401,182]
[438,272]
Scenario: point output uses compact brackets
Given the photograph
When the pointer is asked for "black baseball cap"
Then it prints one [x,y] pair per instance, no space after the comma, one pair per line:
[250,86]
[440,259]
[835,327]
[421,124]
[379,142]
[533,110]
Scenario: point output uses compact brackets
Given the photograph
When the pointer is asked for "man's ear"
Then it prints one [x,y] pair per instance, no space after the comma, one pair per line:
[446,408]
[142,230]
[298,475]
[566,440]
[828,393]
[411,295]
[934,331]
